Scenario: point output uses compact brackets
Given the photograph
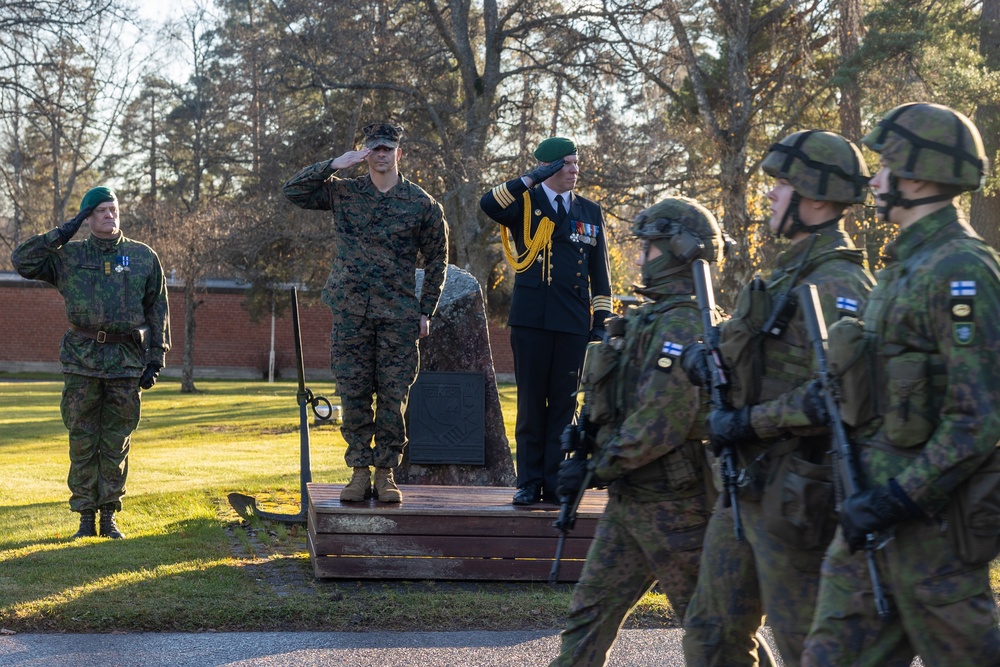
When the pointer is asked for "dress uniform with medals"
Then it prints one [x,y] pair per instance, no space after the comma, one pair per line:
[562,294]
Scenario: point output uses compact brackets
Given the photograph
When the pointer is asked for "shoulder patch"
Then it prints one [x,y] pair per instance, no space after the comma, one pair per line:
[668,355]
[963,288]
[672,349]
[847,305]
[963,310]
[963,332]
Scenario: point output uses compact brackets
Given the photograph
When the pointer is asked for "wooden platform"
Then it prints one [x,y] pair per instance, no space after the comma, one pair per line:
[444,532]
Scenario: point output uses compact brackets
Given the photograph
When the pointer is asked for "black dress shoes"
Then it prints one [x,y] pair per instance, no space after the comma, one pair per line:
[529,494]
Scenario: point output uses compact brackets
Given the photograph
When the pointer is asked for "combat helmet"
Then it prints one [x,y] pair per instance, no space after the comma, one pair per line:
[928,142]
[683,230]
[820,165]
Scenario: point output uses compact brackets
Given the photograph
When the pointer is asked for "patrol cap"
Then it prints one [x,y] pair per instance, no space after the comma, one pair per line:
[382,134]
[96,196]
[553,148]
[930,142]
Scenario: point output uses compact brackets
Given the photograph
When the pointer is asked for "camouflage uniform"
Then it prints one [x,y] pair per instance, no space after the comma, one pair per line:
[372,292]
[934,353]
[787,506]
[652,528]
[114,286]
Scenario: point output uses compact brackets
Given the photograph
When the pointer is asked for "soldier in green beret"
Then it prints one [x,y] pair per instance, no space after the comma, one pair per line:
[925,423]
[776,422]
[562,293]
[119,333]
[381,222]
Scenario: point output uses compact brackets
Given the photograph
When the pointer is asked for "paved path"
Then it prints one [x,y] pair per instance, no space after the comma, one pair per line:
[635,648]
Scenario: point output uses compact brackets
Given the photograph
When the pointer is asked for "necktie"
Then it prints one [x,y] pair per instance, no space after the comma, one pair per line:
[560,209]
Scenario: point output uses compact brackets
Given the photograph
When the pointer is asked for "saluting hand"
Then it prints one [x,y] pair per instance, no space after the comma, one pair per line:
[350,158]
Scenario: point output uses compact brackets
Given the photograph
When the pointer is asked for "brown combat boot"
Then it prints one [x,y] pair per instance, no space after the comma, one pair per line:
[386,490]
[108,526]
[88,519]
[359,488]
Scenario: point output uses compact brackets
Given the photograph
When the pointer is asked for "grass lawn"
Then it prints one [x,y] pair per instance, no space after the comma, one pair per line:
[189,563]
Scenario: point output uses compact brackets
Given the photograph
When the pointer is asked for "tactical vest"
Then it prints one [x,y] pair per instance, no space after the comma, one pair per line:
[894,396]
[611,372]
[764,345]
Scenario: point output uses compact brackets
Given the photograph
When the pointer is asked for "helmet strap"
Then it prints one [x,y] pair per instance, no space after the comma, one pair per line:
[895,198]
[792,211]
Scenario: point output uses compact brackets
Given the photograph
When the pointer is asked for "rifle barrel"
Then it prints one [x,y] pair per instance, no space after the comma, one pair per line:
[846,465]
[705,294]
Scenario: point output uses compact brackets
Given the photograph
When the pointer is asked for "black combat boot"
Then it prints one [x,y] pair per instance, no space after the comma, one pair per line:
[87,528]
[108,526]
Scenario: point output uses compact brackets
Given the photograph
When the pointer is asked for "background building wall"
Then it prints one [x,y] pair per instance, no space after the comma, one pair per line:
[228,344]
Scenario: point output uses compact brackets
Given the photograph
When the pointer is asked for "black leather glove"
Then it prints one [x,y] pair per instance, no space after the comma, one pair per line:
[814,404]
[597,333]
[570,477]
[694,361]
[149,375]
[873,510]
[544,171]
[69,228]
[729,427]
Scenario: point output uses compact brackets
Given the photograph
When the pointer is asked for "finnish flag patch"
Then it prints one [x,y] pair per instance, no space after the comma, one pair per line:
[672,349]
[668,353]
[963,288]
[847,305]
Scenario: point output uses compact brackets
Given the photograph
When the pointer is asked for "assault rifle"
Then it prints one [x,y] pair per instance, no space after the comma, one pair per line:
[846,468]
[577,441]
[727,458]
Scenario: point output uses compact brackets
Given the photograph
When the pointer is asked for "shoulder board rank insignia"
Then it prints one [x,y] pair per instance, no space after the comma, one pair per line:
[668,353]
[846,305]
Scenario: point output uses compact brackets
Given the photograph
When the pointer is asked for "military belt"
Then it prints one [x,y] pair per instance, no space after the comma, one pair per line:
[101,336]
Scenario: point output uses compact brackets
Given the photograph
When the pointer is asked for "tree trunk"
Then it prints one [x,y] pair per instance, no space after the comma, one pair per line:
[187,369]
[849,36]
[985,209]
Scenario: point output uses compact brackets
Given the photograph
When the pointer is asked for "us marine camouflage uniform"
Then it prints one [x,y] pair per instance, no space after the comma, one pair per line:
[653,525]
[927,447]
[372,292]
[111,286]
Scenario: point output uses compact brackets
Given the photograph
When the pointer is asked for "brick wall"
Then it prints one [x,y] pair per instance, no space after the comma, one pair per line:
[227,343]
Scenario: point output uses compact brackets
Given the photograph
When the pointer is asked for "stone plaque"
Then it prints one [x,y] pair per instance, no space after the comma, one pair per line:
[446,418]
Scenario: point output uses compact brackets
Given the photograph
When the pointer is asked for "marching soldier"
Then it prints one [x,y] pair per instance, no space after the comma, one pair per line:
[650,451]
[562,294]
[923,407]
[776,422]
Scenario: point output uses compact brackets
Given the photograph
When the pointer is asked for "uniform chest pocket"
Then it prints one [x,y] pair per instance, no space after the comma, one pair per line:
[909,420]
[83,283]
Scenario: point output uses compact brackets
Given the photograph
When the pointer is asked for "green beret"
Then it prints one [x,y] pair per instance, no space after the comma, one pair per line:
[96,196]
[554,148]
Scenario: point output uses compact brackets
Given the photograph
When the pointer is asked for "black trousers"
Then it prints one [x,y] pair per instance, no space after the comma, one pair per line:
[547,368]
